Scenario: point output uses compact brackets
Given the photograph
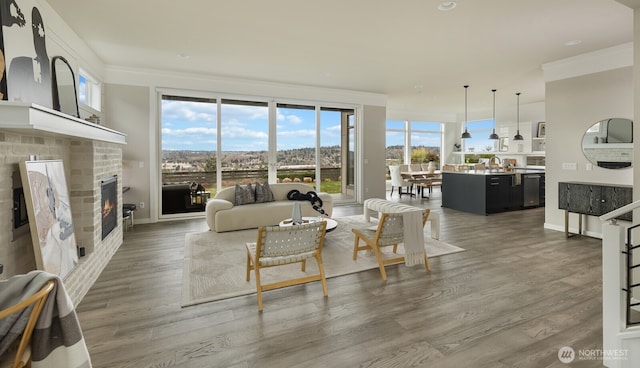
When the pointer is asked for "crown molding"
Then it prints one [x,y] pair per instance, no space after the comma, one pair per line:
[592,62]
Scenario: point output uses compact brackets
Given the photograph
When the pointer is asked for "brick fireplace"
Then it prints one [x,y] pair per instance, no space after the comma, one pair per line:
[90,154]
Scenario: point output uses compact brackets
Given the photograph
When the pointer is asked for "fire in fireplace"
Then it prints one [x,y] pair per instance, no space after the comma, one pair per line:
[109,189]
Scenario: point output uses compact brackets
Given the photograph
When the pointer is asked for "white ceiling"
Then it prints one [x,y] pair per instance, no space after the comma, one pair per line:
[407,49]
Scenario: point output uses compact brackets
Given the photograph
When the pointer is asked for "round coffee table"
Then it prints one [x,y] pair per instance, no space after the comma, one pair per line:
[331,223]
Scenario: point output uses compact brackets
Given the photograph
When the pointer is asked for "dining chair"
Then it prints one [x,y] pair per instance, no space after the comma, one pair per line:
[429,183]
[388,233]
[283,245]
[415,167]
[397,181]
[36,303]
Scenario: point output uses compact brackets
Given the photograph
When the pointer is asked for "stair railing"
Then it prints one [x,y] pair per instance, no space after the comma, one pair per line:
[619,272]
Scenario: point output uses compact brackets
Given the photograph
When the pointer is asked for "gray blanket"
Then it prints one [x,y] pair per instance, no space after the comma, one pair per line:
[57,339]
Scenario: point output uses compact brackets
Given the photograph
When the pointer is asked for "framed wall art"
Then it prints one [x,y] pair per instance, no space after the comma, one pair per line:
[50,221]
[542,127]
[503,145]
[25,62]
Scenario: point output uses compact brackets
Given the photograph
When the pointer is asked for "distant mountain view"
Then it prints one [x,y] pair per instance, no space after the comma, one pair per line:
[205,161]
[189,161]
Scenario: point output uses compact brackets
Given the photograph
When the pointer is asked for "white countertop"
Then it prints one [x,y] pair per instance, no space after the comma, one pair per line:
[494,172]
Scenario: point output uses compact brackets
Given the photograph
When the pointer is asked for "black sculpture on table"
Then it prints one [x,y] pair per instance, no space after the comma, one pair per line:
[312,197]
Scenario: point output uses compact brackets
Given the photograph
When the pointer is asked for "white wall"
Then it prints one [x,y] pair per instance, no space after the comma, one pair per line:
[573,105]
[130,106]
[374,169]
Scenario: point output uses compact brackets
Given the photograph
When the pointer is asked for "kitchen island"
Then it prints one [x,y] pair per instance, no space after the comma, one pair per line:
[491,191]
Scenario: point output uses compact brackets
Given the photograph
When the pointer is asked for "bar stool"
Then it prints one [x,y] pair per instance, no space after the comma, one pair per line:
[127,214]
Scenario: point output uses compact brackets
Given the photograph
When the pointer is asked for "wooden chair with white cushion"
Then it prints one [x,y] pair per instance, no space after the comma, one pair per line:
[282,245]
[389,232]
[36,302]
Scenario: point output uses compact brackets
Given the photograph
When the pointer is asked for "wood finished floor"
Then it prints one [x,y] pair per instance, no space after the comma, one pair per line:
[517,295]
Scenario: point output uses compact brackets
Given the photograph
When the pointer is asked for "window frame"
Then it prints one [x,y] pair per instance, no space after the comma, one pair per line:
[89,90]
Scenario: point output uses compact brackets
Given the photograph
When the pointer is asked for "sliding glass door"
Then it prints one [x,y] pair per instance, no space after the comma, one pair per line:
[337,152]
[213,143]
[296,143]
[188,152]
[244,136]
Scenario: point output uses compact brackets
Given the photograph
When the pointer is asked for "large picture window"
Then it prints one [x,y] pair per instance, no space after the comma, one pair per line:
[413,142]
[212,143]
[479,142]
[426,140]
[396,137]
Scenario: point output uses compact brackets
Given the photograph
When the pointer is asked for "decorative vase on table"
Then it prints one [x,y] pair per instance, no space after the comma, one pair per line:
[296,215]
[431,168]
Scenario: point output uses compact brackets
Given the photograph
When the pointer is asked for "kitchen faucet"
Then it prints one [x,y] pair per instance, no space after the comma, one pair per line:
[492,162]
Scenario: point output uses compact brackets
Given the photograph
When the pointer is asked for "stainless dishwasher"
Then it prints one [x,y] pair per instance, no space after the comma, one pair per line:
[531,188]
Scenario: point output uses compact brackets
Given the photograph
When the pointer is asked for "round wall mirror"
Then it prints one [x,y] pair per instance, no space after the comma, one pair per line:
[609,143]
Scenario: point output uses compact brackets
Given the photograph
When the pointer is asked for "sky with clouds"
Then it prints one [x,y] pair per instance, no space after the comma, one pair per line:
[192,126]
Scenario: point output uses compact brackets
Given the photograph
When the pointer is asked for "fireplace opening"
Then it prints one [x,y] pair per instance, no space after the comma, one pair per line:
[19,208]
[109,189]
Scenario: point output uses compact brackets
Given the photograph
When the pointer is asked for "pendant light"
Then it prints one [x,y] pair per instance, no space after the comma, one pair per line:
[494,135]
[518,137]
[466,134]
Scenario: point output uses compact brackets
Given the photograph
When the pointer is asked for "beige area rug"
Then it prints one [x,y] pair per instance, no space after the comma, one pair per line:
[215,263]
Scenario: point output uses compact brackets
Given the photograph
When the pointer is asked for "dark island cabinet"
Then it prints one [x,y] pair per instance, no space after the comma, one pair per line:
[485,192]
[499,192]
[594,199]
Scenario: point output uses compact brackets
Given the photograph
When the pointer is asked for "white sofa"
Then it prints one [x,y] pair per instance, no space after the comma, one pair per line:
[223,215]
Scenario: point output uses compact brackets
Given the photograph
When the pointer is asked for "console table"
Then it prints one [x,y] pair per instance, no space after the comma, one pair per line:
[592,199]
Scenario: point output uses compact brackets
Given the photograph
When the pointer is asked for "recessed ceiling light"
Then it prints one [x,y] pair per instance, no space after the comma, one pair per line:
[447,5]
[573,42]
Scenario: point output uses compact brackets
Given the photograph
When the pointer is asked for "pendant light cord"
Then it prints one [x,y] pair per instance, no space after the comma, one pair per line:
[518,112]
[518,137]
[465,107]
[466,134]
[493,135]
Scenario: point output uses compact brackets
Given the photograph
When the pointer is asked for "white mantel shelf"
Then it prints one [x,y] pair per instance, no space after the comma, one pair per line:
[32,118]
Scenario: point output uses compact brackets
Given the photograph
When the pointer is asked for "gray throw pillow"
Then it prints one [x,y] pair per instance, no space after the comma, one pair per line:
[245,195]
[264,193]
